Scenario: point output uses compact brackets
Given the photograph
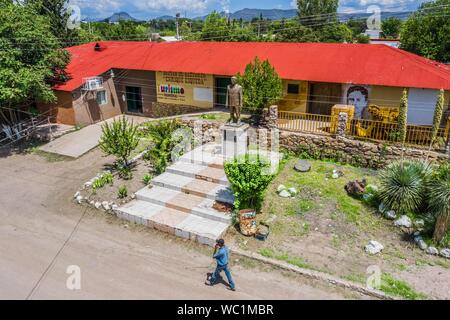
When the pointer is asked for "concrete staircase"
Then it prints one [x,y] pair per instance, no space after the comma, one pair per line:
[180,201]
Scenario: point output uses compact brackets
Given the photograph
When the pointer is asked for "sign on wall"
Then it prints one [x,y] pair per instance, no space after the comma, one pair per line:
[185,88]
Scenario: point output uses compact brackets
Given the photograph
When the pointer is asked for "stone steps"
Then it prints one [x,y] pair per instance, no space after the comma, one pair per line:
[197,187]
[199,171]
[173,221]
[187,203]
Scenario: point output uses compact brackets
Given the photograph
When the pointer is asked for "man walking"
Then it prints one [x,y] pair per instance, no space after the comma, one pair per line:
[221,254]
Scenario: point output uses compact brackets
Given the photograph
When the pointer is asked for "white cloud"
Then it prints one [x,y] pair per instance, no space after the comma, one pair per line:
[294,4]
[191,5]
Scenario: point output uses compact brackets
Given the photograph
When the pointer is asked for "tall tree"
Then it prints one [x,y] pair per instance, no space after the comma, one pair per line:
[58,14]
[391,27]
[215,28]
[427,31]
[315,12]
[30,57]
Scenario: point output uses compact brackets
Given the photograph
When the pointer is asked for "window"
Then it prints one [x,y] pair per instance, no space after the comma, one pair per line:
[293,88]
[101,97]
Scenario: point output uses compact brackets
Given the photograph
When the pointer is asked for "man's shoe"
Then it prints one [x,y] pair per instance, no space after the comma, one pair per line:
[232,289]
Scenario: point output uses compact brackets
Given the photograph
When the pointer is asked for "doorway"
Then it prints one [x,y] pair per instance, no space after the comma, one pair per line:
[323,96]
[221,91]
[134,99]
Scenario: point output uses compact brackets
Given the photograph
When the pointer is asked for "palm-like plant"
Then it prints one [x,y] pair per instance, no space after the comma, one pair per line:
[439,200]
[403,184]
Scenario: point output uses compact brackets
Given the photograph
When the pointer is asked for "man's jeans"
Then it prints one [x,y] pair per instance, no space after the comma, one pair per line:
[216,275]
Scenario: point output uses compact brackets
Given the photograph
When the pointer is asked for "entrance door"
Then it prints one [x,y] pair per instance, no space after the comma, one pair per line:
[134,99]
[221,91]
[322,96]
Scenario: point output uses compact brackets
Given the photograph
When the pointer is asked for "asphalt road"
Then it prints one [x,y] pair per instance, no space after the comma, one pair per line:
[41,235]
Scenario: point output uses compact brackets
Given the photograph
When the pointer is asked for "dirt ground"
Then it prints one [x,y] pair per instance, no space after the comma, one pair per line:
[324,229]
[42,232]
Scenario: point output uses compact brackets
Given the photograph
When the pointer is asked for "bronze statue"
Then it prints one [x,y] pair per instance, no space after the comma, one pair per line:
[234,101]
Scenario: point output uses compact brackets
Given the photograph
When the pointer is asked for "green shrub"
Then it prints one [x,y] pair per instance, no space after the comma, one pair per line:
[122,192]
[162,134]
[403,185]
[438,191]
[147,179]
[100,182]
[119,139]
[124,172]
[249,177]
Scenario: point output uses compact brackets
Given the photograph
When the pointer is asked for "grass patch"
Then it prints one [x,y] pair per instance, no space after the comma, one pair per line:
[399,288]
[295,261]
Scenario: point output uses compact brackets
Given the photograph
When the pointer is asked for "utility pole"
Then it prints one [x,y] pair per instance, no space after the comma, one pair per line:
[177,18]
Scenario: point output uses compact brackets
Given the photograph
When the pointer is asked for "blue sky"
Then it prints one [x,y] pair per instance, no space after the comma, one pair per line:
[144,9]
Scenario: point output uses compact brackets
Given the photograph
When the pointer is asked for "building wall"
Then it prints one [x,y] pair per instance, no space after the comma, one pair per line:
[61,110]
[146,80]
[86,108]
[294,102]
[188,89]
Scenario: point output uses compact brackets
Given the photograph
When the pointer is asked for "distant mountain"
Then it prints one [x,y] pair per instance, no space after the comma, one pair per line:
[402,15]
[119,16]
[248,14]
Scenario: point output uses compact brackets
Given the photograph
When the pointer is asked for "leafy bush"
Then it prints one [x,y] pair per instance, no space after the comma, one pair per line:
[101,181]
[119,139]
[438,191]
[249,178]
[403,185]
[122,192]
[124,172]
[147,179]
[162,134]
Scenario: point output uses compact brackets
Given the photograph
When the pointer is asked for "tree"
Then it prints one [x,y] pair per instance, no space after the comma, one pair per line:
[215,28]
[30,58]
[58,15]
[391,27]
[295,32]
[336,33]
[119,139]
[261,87]
[427,31]
[314,12]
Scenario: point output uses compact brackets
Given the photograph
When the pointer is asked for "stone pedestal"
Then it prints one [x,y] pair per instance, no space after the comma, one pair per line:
[234,140]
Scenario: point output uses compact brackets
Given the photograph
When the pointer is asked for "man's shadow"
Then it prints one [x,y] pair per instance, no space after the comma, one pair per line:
[219,280]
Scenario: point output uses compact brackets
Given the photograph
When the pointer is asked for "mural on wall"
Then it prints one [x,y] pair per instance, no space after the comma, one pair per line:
[358,96]
[185,88]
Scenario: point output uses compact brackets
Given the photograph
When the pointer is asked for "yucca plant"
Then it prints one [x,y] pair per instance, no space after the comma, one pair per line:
[403,185]
[403,117]
[439,200]
[437,118]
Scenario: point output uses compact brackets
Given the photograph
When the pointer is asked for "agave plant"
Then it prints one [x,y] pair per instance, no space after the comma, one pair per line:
[403,185]
[439,200]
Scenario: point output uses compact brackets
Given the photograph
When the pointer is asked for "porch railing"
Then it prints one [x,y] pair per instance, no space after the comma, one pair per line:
[362,129]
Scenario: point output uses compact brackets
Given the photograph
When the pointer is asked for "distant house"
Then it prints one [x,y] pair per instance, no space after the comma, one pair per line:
[395,43]
[154,79]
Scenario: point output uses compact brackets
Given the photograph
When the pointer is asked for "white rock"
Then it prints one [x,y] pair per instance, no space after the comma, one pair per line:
[420,223]
[445,253]
[382,208]
[292,191]
[79,199]
[133,196]
[422,244]
[280,188]
[105,205]
[432,250]
[76,194]
[404,221]
[114,207]
[97,205]
[374,247]
[285,194]
[88,184]
[391,215]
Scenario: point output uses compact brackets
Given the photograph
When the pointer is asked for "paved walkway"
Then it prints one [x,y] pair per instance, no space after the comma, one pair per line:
[77,143]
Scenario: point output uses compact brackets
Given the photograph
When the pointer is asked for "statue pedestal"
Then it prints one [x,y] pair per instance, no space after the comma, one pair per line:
[234,140]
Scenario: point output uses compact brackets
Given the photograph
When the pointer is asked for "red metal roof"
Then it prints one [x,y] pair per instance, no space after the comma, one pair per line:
[323,62]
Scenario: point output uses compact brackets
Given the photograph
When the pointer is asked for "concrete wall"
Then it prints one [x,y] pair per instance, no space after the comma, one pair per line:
[61,111]
[86,108]
[294,102]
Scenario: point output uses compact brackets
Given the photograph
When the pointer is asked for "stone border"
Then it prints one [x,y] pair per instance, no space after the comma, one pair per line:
[315,275]
[107,206]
